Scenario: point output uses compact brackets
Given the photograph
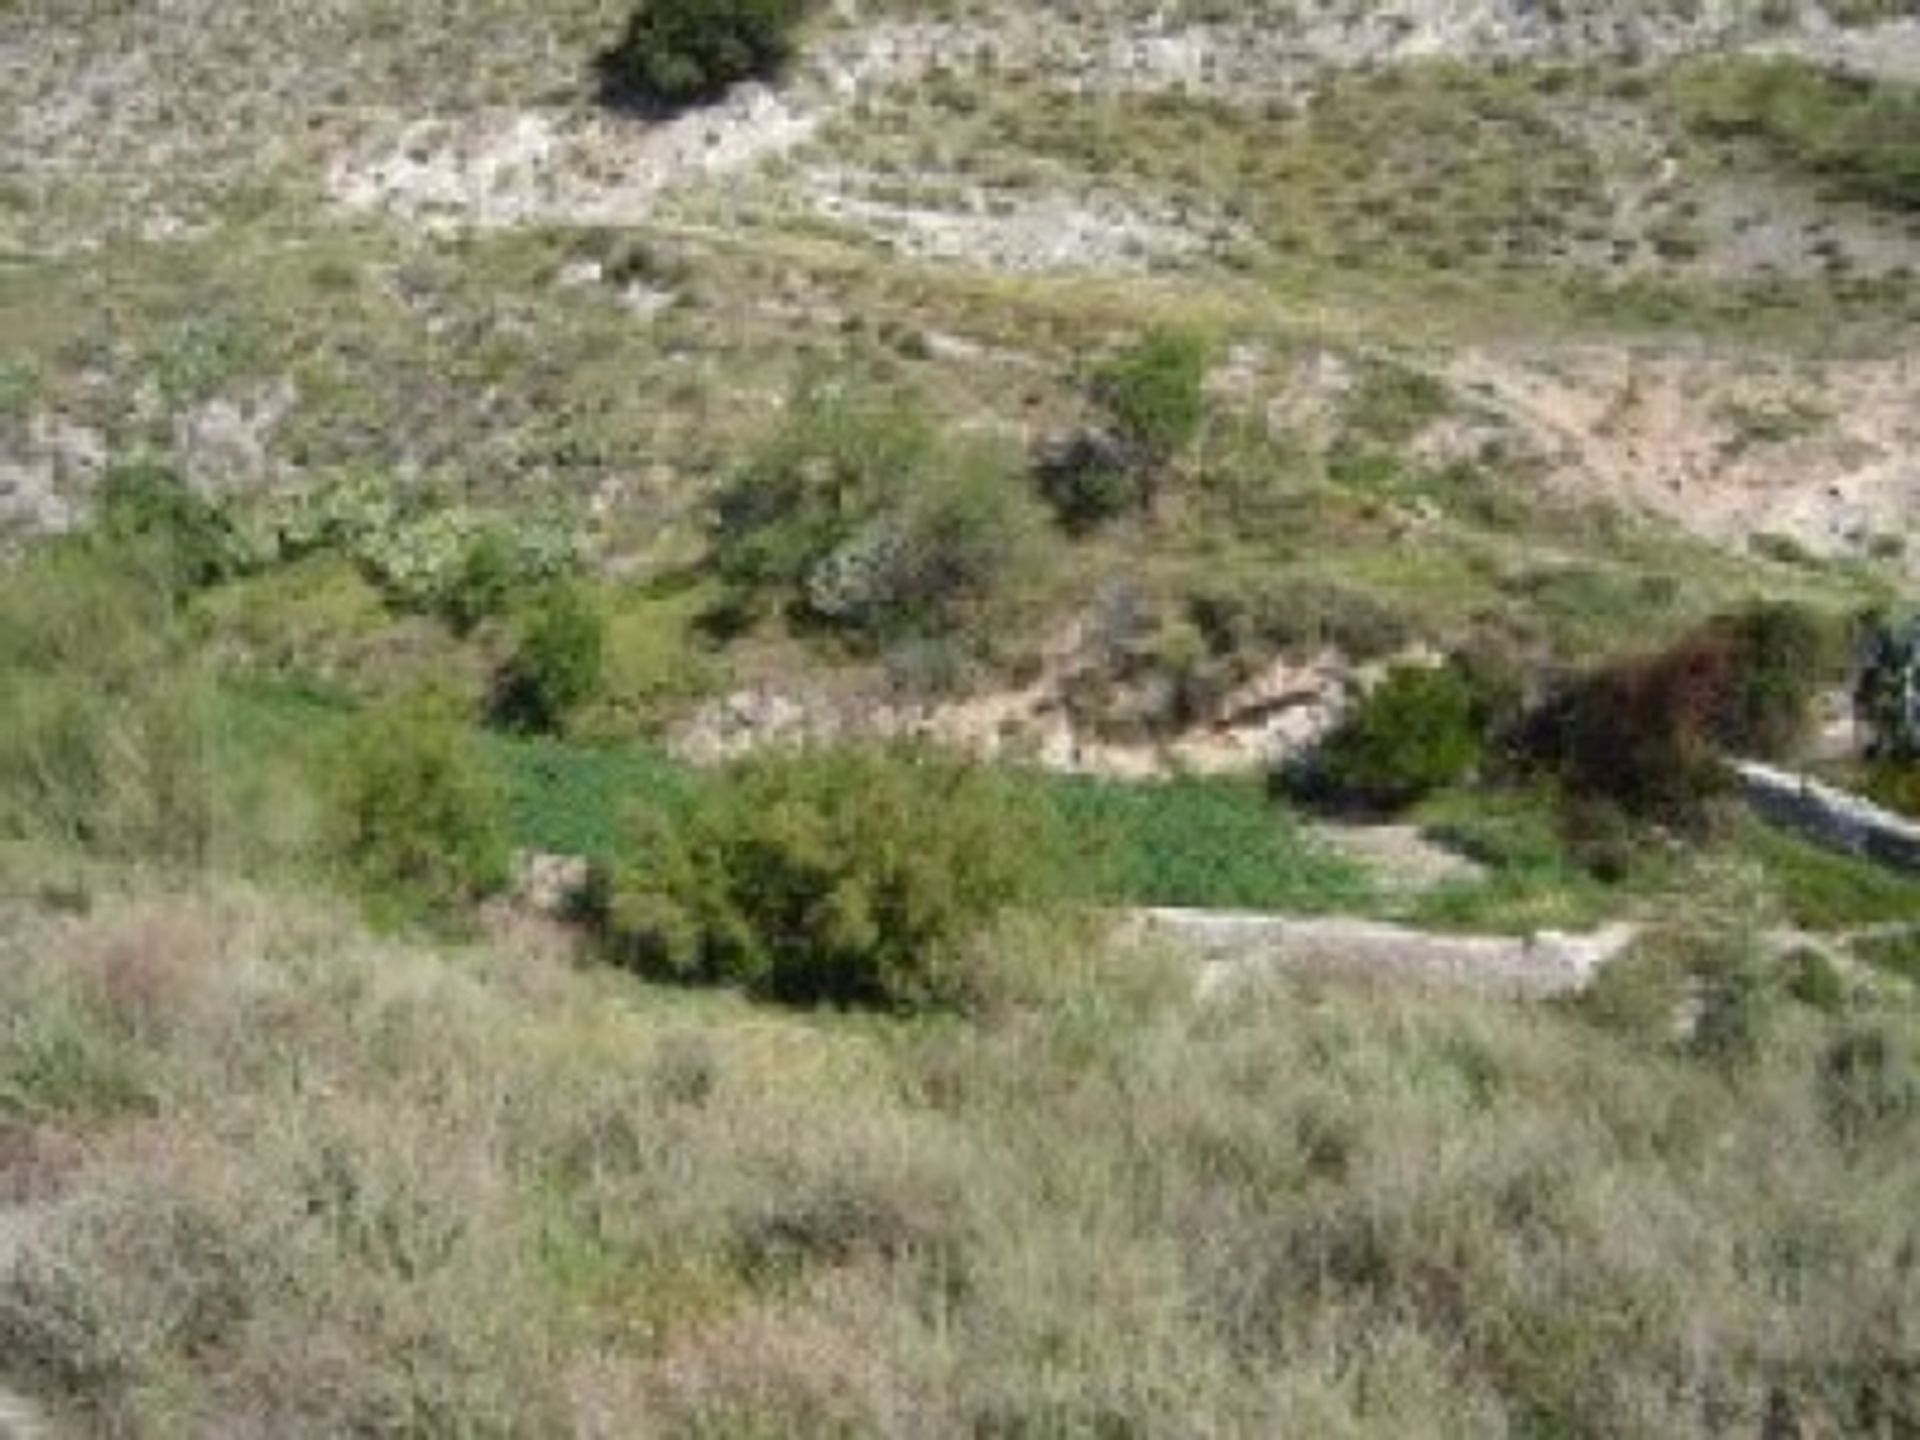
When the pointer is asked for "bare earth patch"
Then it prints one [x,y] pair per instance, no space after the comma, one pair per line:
[1827,457]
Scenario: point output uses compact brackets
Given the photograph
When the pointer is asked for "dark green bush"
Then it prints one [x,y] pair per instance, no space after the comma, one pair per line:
[1089,480]
[558,664]
[103,710]
[848,875]
[1416,731]
[415,813]
[685,52]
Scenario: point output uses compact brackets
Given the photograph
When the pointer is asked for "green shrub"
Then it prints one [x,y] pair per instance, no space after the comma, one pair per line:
[863,522]
[1413,733]
[1393,404]
[481,584]
[1861,136]
[416,815]
[103,721]
[1153,392]
[558,665]
[1784,654]
[193,538]
[685,52]
[1089,480]
[835,457]
[854,876]
[1815,981]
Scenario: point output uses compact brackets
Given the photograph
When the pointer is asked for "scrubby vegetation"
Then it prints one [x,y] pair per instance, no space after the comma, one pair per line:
[1650,733]
[863,519]
[434,998]
[288,1178]
[415,812]
[1861,137]
[853,876]
[103,743]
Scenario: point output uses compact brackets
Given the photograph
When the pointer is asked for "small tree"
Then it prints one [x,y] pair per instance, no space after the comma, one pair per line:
[558,665]
[1413,733]
[686,52]
[416,816]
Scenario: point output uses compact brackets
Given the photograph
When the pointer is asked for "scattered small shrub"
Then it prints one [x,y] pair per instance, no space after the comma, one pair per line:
[481,583]
[1414,732]
[685,52]
[103,709]
[1393,404]
[852,876]
[1860,135]
[192,538]
[415,813]
[558,665]
[1816,982]
[1088,480]
[1152,392]
[1867,1086]
[857,515]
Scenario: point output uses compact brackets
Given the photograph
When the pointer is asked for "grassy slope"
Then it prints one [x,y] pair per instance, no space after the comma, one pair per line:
[282,1178]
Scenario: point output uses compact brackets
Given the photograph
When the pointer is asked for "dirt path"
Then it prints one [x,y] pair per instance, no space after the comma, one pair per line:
[1234,948]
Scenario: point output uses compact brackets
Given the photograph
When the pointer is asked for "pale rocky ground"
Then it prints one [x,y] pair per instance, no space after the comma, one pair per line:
[1675,434]
[451,149]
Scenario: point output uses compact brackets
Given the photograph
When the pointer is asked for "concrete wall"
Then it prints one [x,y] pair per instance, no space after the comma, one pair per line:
[1830,817]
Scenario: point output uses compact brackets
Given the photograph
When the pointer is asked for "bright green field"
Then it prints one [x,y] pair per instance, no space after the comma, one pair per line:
[1212,843]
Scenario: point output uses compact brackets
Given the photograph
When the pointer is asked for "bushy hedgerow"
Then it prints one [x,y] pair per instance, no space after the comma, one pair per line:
[860,519]
[415,813]
[1419,729]
[846,875]
[684,52]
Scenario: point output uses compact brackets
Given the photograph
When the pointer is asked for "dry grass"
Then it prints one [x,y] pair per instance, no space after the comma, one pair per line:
[271,1177]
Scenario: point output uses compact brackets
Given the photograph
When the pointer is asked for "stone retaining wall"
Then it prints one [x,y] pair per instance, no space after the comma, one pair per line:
[1829,816]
